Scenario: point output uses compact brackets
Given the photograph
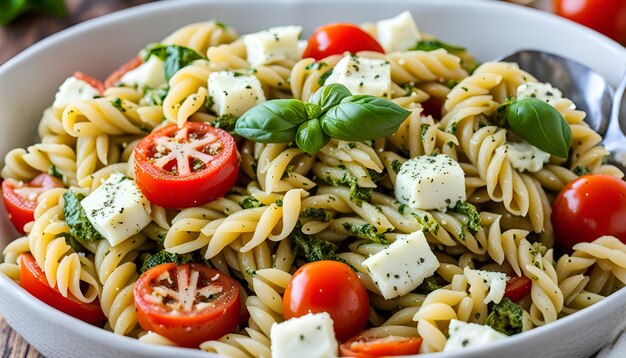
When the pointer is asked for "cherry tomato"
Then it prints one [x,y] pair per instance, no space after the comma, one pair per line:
[369,347]
[190,166]
[605,16]
[93,82]
[188,304]
[335,39]
[20,199]
[589,207]
[33,280]
[115,76]
[328,286]
[517,287]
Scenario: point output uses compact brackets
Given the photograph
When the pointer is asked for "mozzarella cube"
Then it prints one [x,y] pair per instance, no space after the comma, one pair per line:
[363,76]
[430,182]
[398,33]
[464,335]
[524,156]
[73,89]
[539,90]
[234,93]
[272,45]
[311,335]
[150,74]
[495,282]
[401,267]
[117,209]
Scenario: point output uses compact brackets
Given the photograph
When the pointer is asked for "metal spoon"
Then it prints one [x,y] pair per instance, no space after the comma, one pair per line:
[590,92]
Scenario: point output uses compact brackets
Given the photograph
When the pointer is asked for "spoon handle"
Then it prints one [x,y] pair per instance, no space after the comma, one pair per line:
[615,140]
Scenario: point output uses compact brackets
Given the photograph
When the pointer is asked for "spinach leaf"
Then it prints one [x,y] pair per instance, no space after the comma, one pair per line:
[174,57]
[76,218]
[11,9]
[274,121]
[541,125]
[363,117]
[329,96]
[310,137]
[434,44]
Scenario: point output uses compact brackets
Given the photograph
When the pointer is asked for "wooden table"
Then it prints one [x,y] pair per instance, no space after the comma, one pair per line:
[23,32]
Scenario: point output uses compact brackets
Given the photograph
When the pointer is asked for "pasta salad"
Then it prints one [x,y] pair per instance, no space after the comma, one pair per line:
[373,191]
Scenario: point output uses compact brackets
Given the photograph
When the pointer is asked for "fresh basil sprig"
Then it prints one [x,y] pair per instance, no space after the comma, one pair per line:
[174,57]
[332,113]
[538,123]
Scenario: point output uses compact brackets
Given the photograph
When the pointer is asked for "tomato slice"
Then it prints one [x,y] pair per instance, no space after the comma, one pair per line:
[20,199]
[369,347]
[115,76]
[328,286]
[33,280]
[93,82]
[517,287]
[188,304]
[589,207]
[335,39]
[190,166]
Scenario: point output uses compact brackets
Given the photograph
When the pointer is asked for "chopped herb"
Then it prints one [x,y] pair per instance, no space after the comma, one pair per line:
[155,96]
[314,249]
[470,211]
[76,218]
[324,77]
[395,165]
[251,202]
[221,25]
[163,257]
[226,122]
[53,171]
[505,317]
[367,232]
[174,57]
[317,214]
[429,285]
[316,66]
[435,44]
[250,271]
[117,103]
[581,170]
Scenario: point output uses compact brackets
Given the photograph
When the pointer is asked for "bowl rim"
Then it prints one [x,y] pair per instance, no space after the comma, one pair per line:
[81,328]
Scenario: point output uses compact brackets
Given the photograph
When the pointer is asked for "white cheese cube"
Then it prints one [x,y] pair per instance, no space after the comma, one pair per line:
[117,209]
[401,267]
[363,76]
[150,74]
[539,90]
[234,93]
[430,182]
[73,89]
[398,33]
[495,282]
[272,45]
[464,335]
[524,156]
[311,335]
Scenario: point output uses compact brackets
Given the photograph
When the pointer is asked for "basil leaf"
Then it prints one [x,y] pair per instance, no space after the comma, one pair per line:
[363,117]
[434,44]
[310,137]
[274,121]
[312,110]
[329,96]
[541,125]
[174,57]
[76,218]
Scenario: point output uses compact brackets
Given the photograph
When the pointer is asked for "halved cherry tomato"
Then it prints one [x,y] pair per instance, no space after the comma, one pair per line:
[93,82]
[605,16]
[33,280]
[20,199]
[188,304]
[190,166]
[589,207]
[328,286]
[335,39]
[370,347]
[517,287]
[115,76]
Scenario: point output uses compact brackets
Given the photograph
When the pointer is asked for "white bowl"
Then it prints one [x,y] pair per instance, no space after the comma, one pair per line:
[28,83]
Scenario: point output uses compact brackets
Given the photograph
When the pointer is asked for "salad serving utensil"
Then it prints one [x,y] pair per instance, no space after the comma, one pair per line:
[605,107]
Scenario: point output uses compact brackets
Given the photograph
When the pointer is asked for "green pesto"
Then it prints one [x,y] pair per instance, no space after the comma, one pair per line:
[505,317]
[366,232]
[164,257]
[76,218]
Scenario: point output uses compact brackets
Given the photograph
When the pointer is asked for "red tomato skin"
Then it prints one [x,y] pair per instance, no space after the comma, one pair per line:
[605,16]
[169,191]
[371,347]
[517,287]
[33,280]
[589,207]
[22,210]
[335,39]
[115,76]
[328,286]
[184,329]
[93,82]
